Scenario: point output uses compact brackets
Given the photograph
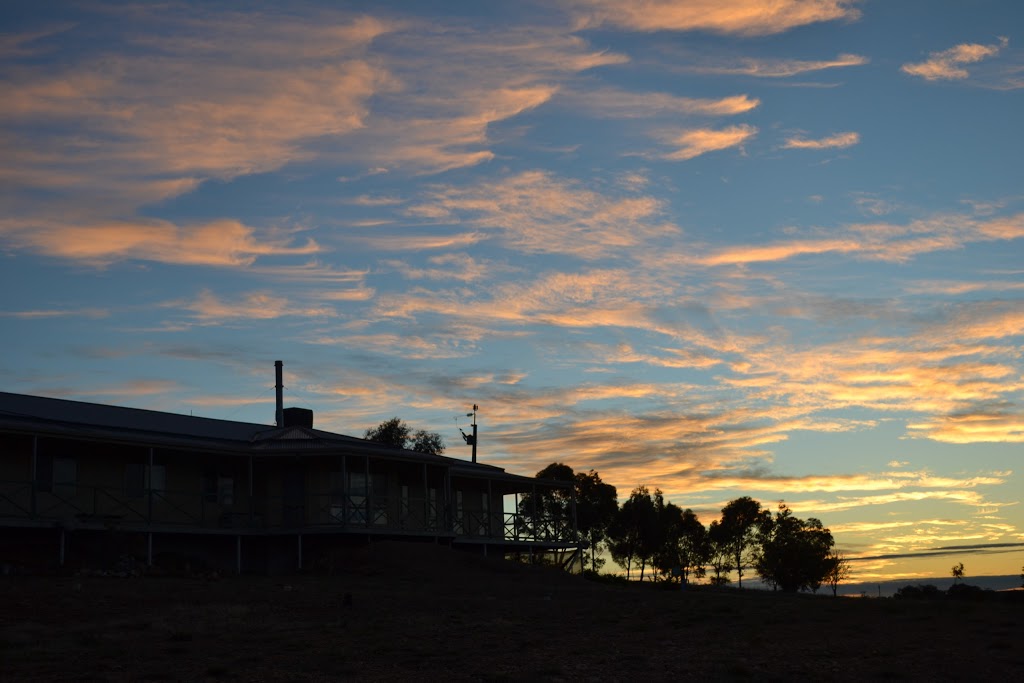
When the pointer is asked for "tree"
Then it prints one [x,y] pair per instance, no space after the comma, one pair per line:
[684,543]
[958,572]
[740,520]
[694,546]
[397,433]
[551,506]
[838,570]
[632,535]
[719,553]
[665,556]
[596,506]
[793,553]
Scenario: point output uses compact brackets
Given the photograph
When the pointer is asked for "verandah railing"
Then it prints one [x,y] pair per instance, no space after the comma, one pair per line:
[206,510]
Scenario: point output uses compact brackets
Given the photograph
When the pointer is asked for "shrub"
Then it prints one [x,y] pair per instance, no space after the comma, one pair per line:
[918,592]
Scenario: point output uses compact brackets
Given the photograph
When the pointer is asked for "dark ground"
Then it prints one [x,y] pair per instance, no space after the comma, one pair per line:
[427,613]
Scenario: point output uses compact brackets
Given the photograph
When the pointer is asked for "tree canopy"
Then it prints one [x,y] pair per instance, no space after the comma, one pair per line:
[794,553]
[395,432]
[740,521]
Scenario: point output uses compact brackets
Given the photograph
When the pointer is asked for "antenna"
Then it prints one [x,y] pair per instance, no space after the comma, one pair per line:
[471,439]
[279,386]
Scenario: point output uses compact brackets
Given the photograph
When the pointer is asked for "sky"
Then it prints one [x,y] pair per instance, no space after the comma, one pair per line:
[721,248]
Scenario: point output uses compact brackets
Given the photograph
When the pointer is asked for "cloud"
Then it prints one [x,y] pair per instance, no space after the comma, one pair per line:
[773,68]
[839,140]
[209,308]
[978,425]
[740,17]
[135,388]
[876,241]
[536,212]
[217,243]
[697,141]
[108,132]
[420,242]
[619,103]
[57,313]
[461,267]
[948,64]
[744,254]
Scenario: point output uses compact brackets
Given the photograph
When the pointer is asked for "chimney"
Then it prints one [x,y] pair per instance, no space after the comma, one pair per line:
[279,376]
[298,417]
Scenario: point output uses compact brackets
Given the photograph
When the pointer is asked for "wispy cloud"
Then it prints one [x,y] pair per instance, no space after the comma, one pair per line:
[218,243]
[57,313]
[771,68]
[619,103]
[741,17]
[839,140]
[536,212]
[948,65]
[209,308]
[694,142]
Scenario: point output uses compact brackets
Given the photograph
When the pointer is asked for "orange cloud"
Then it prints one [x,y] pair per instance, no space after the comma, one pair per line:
[948,64]
[695,142]
[523,209]
[776,252]
[776,68]
[741,17]
[618,103]
[218,243]
[839,140]
[209,308]
[57,313]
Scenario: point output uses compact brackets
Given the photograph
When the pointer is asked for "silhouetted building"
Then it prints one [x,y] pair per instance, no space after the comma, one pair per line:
[87,483]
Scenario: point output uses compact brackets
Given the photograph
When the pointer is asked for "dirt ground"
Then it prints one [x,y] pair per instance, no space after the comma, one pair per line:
[429,613]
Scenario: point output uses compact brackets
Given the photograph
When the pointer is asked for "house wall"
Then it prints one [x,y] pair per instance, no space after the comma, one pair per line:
[15,475]
[394,497]
[82,482]
[478,509]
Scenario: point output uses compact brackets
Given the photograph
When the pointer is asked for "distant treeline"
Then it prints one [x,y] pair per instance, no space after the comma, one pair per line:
[646,533]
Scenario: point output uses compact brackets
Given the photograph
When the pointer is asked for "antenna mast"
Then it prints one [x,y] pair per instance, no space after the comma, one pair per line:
[471,439]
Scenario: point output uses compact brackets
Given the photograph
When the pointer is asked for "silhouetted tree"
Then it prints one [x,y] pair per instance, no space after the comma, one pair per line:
[633,534]
[793,553]
[550,507]
[958,572]
[719,553]
[684,543]
[694,546]
[838,571]
[669,522]
[428,442]
[740,520]
[596,506]
[395,432]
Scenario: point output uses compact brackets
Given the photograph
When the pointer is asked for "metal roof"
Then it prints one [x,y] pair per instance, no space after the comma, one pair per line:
[95,421]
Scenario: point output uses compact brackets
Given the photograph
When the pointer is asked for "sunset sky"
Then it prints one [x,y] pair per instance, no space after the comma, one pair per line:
[718,247]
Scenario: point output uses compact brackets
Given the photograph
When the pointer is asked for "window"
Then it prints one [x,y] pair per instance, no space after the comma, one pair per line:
[379,482]
[485,506]
[404,508]
[56,475]
[432,510]
[140,479]
[458,512]
[357,497]
[337,508]
[65,477]
[217,488]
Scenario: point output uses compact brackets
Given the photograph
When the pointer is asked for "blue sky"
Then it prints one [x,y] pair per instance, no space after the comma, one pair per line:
[721,248]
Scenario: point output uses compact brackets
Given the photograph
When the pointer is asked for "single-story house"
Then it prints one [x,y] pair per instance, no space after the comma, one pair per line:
[84,482]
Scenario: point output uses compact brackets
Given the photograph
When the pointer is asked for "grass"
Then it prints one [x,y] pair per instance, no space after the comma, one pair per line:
[467,619]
